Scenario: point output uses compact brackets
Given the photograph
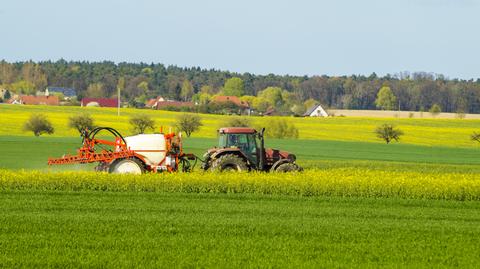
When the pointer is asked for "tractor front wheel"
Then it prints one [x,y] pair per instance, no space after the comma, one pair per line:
[126,166]
[287,167]
[229,162]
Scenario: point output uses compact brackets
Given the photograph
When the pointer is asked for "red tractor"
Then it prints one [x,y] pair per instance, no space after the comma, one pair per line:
[242,149]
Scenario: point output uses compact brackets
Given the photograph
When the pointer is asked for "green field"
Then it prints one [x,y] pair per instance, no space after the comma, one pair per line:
[102,229]
[360,202]
[28,152]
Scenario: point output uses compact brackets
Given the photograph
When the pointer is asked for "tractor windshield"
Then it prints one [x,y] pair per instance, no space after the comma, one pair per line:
[245,142]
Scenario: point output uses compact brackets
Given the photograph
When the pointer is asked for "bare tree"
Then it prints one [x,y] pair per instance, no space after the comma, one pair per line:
[81,122]
[188,123]
[141,122]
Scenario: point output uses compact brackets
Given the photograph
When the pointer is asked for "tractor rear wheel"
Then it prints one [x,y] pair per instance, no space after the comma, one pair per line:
[126,166]
[287,167]
[229,162]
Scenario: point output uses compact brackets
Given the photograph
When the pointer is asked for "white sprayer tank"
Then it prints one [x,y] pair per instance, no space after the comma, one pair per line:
[152,146]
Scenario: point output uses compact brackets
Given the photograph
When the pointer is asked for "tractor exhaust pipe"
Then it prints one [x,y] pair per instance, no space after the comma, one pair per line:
[262,150]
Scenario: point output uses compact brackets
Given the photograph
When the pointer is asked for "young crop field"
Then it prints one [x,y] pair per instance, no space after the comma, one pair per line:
[168,230]
[359,202]
[29,152]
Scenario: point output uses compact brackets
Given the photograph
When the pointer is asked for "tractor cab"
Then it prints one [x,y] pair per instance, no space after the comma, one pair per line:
[247,140]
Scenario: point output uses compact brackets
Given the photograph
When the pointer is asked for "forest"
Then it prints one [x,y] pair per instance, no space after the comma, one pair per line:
[137,82]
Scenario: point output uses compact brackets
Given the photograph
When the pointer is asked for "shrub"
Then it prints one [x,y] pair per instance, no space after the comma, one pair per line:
[460,114]
[38,124]
[141,122]
[81,122]
[281,128]
[388,132]
[475,136]
[237,122]
[188,123]
[435,110]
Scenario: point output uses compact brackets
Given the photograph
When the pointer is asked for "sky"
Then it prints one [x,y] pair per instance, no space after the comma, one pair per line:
[297,37]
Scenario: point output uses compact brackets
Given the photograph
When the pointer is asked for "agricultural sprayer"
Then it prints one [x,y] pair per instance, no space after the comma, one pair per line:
[132,154]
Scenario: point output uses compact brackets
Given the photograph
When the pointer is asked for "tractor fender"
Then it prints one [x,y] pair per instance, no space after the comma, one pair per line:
[279,162]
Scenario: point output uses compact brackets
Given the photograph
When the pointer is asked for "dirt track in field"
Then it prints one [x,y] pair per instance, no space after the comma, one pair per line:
[398,114]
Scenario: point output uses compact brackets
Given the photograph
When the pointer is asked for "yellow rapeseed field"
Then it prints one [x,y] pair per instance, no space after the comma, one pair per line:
[344,182]
[434,132]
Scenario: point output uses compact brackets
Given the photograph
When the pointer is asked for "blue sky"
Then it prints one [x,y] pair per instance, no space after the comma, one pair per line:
[299,37]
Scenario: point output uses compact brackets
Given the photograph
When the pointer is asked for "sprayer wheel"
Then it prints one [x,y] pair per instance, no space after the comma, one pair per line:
[126,166]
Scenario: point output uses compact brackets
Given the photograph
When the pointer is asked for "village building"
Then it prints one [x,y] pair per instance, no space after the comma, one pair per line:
[152,103]
[35,100]
[271,112]
[173,104]
[316,111]
[67,92]
[101,102]
[242,105]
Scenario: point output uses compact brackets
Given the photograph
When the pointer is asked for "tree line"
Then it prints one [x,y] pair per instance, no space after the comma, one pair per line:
[138,82]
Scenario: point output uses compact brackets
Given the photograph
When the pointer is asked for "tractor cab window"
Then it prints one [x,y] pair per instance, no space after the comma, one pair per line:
[245,142]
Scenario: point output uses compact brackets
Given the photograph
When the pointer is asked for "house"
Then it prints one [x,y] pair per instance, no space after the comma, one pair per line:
[231,99]
[316,111]
[271,112]
[152,103]
[35,100]
[173,104]
[242,105]
[101,102]
[67,92]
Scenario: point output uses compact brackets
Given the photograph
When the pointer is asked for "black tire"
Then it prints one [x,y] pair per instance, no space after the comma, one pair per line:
[287,167]
[137,165]
[229,162]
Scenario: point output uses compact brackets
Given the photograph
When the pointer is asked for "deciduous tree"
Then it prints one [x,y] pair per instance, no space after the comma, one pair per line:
[234,87]
[236,121]
[81,122]
[386,100]
[435,110]
[188,123]
[96,90]
[187,90]
[38,124]
[388,132]
[141,122]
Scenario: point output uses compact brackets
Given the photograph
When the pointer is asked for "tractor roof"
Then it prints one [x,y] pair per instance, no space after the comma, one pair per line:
[237,130]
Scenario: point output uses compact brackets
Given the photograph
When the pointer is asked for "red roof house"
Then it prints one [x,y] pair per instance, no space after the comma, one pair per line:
[102,102]
[164,104]
[152,103]
[232,99]
[35,100]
